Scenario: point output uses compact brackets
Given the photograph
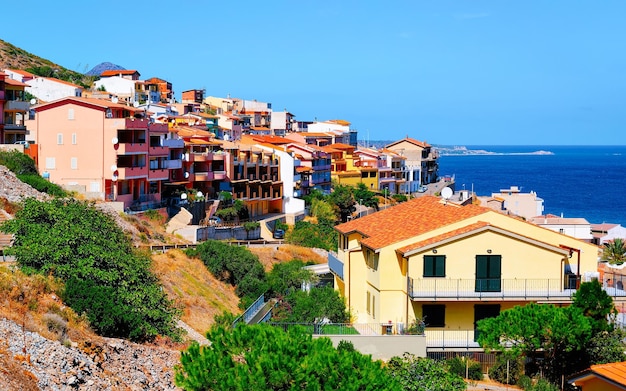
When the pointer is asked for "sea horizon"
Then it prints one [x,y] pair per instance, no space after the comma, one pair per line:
[573,180]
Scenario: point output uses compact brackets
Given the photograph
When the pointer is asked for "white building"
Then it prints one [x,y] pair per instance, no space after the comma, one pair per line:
[606,232]
[48,89]
[526,205]
[576,227]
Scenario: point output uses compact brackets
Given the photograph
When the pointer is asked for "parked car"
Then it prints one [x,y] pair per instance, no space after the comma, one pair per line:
[422,189]
[214,220]
[279,233]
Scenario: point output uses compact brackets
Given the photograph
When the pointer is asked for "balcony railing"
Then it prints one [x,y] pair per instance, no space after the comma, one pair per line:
[492,289]
[335,265]
[174,143]
[457,339]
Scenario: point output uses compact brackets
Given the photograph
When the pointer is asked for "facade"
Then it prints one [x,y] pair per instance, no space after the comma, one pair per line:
[100,149]
[192,96]
[281,122]
[451,265]
[47,89]
[526,205]
[421,162]
[573,226]
[607,232]
[121,87]
[13,110]
[164,87]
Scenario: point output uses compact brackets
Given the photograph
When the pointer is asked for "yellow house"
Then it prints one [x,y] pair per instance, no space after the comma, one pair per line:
[345,170]
[451,265]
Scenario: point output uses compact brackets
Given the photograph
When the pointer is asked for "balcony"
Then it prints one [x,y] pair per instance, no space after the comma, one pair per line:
[201,176]
[174,164]
[16,105]
[335,265]
[159,175]
[132,172]
[440,339]
[219,175]
[440,289]
[174,143]
[131,148]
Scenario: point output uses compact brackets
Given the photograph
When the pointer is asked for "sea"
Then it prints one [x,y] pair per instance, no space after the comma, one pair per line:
[573,181]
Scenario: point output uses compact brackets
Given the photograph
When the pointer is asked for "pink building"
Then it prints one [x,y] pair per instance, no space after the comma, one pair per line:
[102,150]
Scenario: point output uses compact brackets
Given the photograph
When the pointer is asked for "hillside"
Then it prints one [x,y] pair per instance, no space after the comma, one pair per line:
[16,58]
[36,326]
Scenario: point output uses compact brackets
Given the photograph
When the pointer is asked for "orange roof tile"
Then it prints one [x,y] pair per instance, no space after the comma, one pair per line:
[614,372]
[115,72]
[21,72]
[16,83]
[422,144]
[407,220]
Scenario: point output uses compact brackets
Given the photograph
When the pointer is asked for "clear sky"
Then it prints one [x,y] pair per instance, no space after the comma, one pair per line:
[447,72]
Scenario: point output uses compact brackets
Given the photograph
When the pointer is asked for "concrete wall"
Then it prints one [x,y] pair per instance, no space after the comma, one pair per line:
[383,347]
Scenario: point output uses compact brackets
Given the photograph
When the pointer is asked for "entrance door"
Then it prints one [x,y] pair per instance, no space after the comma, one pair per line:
[484,311]
[488,273]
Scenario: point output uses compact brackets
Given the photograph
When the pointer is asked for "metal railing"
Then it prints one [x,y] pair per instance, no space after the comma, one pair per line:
[251,311]
[525,289]
[327,328]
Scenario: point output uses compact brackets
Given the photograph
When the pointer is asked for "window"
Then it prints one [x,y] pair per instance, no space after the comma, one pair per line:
[367,302]
[373,307]
[73,138]
[50,163]
[59,138]
[434,315]
[70,114]
[488,273]
[371,259]
[343,242]
[434,265]
[74,163]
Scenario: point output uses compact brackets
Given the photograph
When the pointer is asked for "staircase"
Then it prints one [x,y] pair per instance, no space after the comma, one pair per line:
[6,240]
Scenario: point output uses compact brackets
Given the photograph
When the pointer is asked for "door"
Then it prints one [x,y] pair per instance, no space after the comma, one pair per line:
[488,273]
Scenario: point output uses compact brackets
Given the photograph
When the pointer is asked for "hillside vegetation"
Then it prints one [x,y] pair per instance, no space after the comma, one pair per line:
[15,58]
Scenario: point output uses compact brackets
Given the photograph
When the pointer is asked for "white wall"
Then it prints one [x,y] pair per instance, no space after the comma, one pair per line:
[117,85]
[48,90]
[319,127]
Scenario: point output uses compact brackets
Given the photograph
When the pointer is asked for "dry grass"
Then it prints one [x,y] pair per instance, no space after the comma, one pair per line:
[195,290]
[271,255]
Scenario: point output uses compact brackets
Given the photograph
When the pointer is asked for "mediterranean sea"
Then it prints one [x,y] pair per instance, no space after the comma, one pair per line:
[576,181]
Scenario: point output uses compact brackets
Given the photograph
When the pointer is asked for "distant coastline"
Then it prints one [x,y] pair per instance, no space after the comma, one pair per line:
[464,151]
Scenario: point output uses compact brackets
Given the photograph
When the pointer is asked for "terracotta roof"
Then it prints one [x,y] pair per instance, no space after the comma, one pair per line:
[270,139]
[341,146]
[315,134]
[21,72]
[115,72]
[92,101]
[409,219]
[340,122]
[16,83]
[303,169]
[603,227]
[612,372]
[552,219]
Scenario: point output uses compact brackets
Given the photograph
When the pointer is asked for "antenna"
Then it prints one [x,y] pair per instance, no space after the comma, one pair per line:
[446,193]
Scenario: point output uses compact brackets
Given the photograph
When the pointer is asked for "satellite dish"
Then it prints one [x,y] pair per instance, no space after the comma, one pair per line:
[183,196]
[113,168]
[135,104]
[114,178]
[115,141]
[446,193]
[33,101]
[114,99]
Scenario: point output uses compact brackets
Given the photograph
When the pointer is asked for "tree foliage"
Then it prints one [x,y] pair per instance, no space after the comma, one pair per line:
[423,374]
[235,265]
[614,251]
[312,306]
[323,210]
[596,305]
[105,277]
[262,357]
[288,277]
[365,196]
[18,163]
[321,235]
[343,200]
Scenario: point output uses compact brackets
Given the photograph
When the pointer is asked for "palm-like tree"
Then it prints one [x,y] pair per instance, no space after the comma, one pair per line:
[614,252]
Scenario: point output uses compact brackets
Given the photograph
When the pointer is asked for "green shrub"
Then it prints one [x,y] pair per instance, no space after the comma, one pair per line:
[399,197]
[498,371]
[463,366]
[18,163]
[42,185]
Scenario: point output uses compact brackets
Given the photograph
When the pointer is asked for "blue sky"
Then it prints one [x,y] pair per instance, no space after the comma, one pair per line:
[447,72]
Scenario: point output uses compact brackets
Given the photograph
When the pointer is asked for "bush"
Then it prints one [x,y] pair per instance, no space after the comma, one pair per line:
[462,365]
[18,163]
[42,185]
[498,372]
